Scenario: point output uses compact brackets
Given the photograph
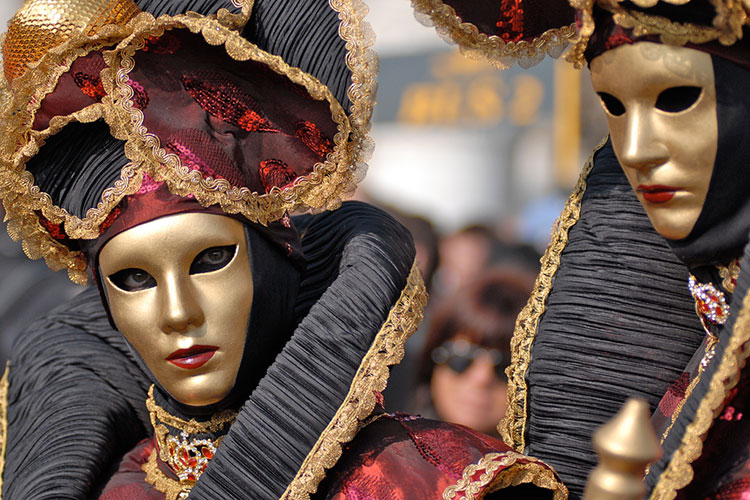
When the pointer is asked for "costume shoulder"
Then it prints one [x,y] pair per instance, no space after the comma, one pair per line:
[402,457]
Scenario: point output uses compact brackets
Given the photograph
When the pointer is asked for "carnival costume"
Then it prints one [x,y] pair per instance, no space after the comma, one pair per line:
[118,116]
[611,316]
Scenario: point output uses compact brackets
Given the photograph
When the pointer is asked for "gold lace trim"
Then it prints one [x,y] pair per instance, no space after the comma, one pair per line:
[513,427]
[372,376]
[514,474]
[727,25]
[172,488]
[679,472]
[324,188]
[3,422]
[729,275]
[208,191]
[494,49]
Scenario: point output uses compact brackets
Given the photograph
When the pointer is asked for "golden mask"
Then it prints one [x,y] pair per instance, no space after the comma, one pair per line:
[180,290]
[660,102]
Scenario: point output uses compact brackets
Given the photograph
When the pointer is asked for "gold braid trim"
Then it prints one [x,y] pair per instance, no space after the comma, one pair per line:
[513,427]
[515,473]
[493,49]
[172,488]
[679,472]
[192,426]
[727,24]
[3,422]
[372,376]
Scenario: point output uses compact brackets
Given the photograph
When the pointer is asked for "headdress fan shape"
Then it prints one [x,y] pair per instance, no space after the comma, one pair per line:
[198,106]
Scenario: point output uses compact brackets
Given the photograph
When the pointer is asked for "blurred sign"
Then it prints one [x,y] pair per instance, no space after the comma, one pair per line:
[448,89]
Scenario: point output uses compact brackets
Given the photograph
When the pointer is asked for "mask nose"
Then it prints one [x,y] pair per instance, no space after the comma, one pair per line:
[180,310]
[642,147]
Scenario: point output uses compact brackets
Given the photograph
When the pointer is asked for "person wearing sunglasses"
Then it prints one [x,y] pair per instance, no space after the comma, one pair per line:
[462,365]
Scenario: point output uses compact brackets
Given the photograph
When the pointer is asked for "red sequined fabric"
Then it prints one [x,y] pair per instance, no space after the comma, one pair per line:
[236,120]
[225,100]
[86,74]
[510,24]
[275,173]
[312,137]
[723,470]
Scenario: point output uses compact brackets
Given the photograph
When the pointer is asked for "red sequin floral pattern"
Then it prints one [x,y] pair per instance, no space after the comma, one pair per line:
[510,24]
[275,173]
[314,138]
[225,100]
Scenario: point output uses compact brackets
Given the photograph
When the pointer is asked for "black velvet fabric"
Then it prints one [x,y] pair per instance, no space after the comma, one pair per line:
[77,395]
[721,232]
[619,322]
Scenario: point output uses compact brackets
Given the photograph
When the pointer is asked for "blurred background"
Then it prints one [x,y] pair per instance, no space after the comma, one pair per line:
[477,163]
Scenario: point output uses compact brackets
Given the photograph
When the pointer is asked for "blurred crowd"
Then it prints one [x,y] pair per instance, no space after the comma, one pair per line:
[479,279]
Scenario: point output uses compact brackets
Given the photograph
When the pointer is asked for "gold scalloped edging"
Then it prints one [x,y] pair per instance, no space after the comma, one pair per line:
[514,473]
[679,472]
[160,481]
[182,181]
[493,49]
[513,426]
[318,190]
[372,376]
[727,24]
[3,422]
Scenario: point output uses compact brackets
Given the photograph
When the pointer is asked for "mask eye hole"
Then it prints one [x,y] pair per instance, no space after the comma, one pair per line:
[612,104]
[213,259]
[132,280]
[676,99]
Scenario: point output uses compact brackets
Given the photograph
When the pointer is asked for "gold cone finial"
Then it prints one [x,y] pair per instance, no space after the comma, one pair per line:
[625,445]
[43,24]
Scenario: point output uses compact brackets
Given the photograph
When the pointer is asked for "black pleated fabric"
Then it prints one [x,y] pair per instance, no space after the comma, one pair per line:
[305,34]
[371,255]
[77,164]
[174,7]
[619,322]
[77,395]
[76,404]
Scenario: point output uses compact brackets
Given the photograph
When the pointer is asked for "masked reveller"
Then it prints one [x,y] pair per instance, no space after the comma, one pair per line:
[226,349]
[664,202]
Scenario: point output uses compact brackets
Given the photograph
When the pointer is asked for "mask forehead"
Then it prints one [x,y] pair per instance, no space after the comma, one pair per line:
[188,323]
[660,103]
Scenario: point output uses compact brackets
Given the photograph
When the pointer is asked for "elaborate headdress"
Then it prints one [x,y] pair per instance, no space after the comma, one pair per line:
[192,99]
[524,30]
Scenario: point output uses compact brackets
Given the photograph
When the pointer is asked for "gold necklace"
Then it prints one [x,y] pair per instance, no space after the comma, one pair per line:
[187,458]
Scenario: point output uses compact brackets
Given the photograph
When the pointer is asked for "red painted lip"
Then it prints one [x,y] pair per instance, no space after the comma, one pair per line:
[657,193]
[192,358]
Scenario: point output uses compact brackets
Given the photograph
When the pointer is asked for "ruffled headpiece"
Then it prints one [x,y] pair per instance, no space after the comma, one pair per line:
[247,110]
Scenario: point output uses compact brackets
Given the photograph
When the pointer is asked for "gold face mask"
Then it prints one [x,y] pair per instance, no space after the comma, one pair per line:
[660,102]
[180,290]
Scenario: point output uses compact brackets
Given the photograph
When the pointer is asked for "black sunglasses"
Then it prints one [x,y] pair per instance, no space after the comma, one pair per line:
[458,355]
